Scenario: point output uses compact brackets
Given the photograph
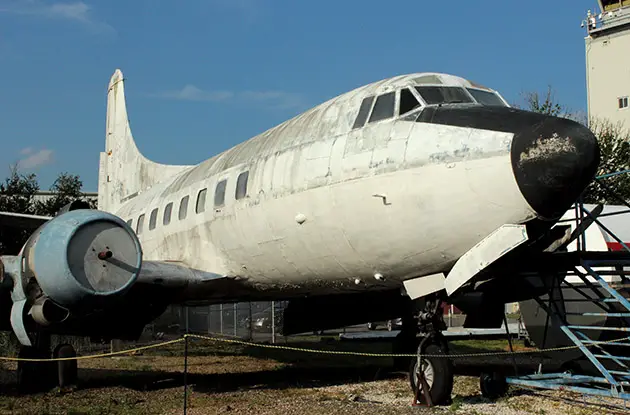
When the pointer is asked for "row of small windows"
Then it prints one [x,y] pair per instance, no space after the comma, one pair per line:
[385,105]
[200,205]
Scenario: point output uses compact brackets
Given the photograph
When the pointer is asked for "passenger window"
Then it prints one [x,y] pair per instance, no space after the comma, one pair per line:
[408,101]
[153,219]
[139,224]
[183,208]
[201,201]
[219,193]
[363,112]
[384,107]
[241,185]
[167,214]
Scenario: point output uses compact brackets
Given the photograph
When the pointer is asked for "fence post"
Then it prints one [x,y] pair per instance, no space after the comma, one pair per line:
[251,332]
[273,322]
[221,318]
[186,318]
[185,372]
[235,321]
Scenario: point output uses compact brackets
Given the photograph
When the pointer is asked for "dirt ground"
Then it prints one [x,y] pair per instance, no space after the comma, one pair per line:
[233,379]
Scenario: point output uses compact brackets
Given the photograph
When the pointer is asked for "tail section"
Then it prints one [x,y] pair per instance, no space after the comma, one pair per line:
[123,170]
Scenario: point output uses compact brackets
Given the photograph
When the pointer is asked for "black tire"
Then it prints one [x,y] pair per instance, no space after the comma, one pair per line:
[492,385]
[67,371]
[441,384]
[371,326]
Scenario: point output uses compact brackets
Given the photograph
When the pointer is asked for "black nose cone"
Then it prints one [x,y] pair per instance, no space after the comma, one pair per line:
[554,159]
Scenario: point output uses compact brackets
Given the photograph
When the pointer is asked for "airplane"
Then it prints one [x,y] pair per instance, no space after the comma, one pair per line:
[377,204]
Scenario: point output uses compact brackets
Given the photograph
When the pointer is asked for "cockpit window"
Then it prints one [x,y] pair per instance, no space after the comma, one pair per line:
[486,97]
[443,95]
[408,102]
[363,112]
[428,79]
[384,107]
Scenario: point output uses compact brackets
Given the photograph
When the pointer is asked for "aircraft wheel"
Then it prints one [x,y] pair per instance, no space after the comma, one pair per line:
[390,325]
[492,385]
[66,369]
[33,376]
[371,326]
[438,372]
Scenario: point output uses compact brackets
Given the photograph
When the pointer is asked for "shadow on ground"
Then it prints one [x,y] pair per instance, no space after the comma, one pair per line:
[296,369]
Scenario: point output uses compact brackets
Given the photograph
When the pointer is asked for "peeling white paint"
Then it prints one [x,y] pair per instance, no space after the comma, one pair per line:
[547,148]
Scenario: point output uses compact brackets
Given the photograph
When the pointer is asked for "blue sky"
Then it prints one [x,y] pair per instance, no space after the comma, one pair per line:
[204,75]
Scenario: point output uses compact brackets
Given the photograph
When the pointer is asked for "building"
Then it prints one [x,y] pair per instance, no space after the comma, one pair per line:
[608,61]
[43,195]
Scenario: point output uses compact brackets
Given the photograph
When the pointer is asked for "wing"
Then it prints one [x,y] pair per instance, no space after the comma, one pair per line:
[22,220]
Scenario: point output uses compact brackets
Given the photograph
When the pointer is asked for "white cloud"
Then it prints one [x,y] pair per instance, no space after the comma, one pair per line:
[192,93]
[27,150]
[37,159]
[76,11]
[275,99]
[278,99]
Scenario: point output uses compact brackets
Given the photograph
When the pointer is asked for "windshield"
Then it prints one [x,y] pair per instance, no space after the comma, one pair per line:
[433,95]
[486,97]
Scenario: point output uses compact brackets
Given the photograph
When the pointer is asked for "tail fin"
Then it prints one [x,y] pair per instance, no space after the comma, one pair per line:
[123,170]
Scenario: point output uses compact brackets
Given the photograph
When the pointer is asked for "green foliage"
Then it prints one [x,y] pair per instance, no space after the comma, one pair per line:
[66,188]
[17,192]
[547,105]
[614,144]
[17,195]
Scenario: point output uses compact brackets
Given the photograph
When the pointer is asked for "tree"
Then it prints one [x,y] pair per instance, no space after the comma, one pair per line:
[614,144]
[66,189]
[548,106]
[17,195]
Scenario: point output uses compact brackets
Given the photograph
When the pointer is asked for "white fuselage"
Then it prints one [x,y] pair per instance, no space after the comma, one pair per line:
[398,198]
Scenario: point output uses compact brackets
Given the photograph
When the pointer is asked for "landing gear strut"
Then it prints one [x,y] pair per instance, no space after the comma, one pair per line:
[67,372]
[431,372]
[41,376]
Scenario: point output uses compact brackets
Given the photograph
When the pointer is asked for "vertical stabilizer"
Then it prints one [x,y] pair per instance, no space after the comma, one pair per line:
[123,171]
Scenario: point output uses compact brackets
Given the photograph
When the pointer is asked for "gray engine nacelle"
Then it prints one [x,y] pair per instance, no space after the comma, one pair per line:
[78,260]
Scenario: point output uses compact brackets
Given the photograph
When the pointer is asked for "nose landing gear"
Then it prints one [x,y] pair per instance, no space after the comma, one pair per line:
[431,371]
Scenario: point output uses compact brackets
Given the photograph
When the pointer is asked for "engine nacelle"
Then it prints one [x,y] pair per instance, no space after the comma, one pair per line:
[80,257]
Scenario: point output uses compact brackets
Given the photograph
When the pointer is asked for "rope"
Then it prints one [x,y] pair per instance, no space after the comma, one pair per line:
[304,350]
[95,356]
[349,353]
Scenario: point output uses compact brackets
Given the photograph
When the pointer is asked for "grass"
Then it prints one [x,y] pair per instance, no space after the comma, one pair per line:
[244,379]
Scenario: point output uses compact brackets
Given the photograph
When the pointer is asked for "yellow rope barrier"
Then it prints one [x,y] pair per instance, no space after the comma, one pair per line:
[299,349]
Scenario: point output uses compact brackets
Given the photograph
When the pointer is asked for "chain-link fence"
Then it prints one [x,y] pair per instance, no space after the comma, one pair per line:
[257,321]
[262,321]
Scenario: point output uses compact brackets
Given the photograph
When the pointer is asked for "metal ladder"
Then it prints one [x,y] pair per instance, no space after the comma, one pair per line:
[615,370]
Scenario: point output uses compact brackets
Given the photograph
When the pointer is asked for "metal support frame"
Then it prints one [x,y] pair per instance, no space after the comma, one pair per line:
[613,382]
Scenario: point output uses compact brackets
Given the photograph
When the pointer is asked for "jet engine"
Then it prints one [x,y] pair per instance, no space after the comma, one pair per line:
[78,262]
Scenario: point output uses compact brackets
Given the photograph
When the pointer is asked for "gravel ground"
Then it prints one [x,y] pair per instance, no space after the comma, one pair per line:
[240,380]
